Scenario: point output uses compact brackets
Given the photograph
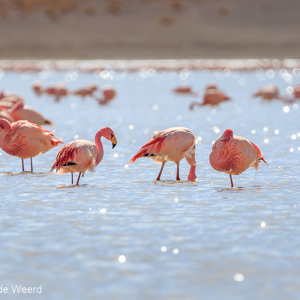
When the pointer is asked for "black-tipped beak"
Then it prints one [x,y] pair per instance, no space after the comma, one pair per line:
[114,145]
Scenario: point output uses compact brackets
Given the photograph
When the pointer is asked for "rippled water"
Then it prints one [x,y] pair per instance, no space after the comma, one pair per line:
[120,234]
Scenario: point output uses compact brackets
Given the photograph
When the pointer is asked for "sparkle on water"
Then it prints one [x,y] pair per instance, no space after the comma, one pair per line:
[120,234]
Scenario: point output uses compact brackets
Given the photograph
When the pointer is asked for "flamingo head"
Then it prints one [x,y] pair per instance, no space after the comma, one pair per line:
[227,135]
[109,135]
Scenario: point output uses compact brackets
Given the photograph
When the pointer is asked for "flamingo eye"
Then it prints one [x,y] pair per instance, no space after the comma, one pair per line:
[112,135]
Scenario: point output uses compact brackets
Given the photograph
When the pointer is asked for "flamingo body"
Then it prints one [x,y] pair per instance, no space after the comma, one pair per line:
[23,112]
[234,154]
[268,92]
[172,144]
[26,140]
[82,155]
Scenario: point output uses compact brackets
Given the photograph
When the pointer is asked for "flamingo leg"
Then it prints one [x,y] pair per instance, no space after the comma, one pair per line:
[22,164]
[77,183]
[231,181]
[31,164]
[162,166]
[177,176]
[72,177]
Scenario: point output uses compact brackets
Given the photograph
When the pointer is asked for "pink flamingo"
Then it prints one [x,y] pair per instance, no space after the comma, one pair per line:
[172,144]
[109,93]
[26,140]
[82,155]
[233,154]
[87,90]
[185,89]
[296,91]
[268,92]
[37,88]
[23,112]
[212,96]
[4,114]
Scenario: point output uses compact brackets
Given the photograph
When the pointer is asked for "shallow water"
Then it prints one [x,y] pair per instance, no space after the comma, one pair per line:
[121,234]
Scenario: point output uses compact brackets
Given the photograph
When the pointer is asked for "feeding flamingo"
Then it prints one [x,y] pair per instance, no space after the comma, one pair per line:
[26,140]
[212,96]
[172,144]
[86,90]
[233,154]
[109,93]
[82,155]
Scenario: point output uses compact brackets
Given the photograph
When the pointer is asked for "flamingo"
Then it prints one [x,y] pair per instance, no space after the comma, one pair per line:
[26,140]
[296,91]
[109,93]
[82,155]
[37,88]
[185,89]
[87,90]
[172,144]
[212,96]
[233,154]
[23,112]
[268,92]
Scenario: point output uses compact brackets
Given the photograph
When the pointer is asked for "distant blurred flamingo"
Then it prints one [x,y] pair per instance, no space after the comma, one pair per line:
[57,90]
[233,154]
[185,89]
[212,96]
[296,91]
[109,93]
[87,90]
[26,140]
[82,155]
[23,112]
[268,92]
[37,88]
[172,144]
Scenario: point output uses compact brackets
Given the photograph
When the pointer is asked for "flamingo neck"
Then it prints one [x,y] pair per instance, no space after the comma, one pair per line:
[99,146]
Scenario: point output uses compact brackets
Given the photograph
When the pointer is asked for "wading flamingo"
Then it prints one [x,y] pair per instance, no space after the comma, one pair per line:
[109,93]
[268,92]
[82,155]
[86,90]
[172,144]
[212,96]
[26,140]
[233,154]
[185,89]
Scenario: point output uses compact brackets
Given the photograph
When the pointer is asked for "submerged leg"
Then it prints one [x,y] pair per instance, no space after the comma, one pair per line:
[31,164]
[162,166]
[77,183]
[231,181]
[177,176]
[22,164]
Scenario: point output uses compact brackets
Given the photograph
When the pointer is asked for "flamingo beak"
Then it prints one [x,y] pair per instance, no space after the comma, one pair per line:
[264,160]
[114,141]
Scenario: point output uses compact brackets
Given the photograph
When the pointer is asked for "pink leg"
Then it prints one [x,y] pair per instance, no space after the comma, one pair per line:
[177,176]
[77,183]
[72,177]
[231,181]
[22,164]
[31,164]
[162,166]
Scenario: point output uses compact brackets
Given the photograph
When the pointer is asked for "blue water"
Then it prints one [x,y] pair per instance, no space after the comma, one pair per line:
[121,234]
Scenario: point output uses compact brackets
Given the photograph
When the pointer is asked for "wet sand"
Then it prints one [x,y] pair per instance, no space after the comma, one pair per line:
[145,29]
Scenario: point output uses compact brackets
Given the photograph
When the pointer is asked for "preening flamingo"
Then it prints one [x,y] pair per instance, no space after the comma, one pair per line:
[23,112]
[212,96]
[268,92]
[26,140]
[172,144]
[233,154]
[82,155]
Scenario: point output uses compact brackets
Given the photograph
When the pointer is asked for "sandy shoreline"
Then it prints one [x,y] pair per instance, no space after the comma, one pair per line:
[152,29]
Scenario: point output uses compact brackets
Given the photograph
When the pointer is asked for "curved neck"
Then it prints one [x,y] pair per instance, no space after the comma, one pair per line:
[99,146]
[6,128]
